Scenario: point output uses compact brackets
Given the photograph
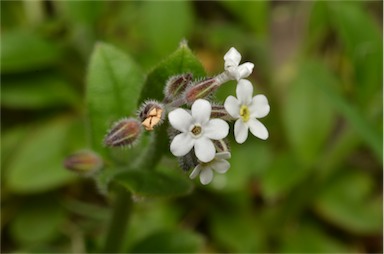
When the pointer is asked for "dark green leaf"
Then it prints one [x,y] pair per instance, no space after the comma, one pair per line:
[181,61]
[114,83]
[37,222]
[170,241]
[37,92]
[175,16]
[23,50]
[155,183]
[37,164]
[347,202]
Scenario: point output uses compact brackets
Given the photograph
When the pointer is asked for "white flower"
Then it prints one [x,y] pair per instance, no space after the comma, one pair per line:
[246,110]
[233,69]
[218,164]
[197,130]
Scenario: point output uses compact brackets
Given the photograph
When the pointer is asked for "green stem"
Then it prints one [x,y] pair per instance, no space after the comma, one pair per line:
[119,221]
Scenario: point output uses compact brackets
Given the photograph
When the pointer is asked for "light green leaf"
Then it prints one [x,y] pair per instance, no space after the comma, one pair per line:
[282,176]
[37,164]
[38,222]
[307,113]
[152,183]
[37,92]
[170,241]
[310,239]
[114,83]
[23,50]
[347,202]
[175,16]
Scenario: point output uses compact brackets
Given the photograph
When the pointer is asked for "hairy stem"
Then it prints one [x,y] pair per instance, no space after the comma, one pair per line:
[119,221]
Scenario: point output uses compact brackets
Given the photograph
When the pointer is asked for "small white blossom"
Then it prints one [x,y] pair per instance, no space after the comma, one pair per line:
[233,69]
[205,170]
[197,130]
[246,110]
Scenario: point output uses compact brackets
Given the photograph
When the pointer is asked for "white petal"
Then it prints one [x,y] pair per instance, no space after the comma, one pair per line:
[182,144]
[233,73]
[195,171]
[204,149]
[245,70]
[244,91]
[232,57]
[220,166]
[241,131]
[216,129]
[206,176]
[223,155]
[180,119]
[258,129]
[201,111]
[232,106]
[259,106]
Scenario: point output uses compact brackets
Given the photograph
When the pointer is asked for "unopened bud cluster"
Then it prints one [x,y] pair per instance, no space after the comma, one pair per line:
[198,127]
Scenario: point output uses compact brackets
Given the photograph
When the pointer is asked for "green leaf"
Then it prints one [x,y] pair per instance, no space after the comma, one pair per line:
[37,222]
[170,241]
[310,239]
[283,175]
[156,23]
[37,92]
[181,61]
[252,13]
[362,40]
[347,202]
[17,56]
[305,100]
[37,164]
[155,183]
[114,83]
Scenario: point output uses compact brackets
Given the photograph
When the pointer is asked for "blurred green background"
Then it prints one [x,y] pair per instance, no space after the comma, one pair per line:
[316,185]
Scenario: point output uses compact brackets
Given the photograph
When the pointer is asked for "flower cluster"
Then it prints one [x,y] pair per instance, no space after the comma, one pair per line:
[198,131]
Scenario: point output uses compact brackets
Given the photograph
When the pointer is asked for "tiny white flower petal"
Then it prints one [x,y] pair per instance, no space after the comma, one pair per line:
[180,119]
[206,176]
[201,111]
[204,149]
[220,166]
[232,57]
[223,155]
[233,72]
[258,129]
[259,106]
[182,144]
[245,70]
[195,171]
[216,129]
[241,131]
[232,106]
[244,91]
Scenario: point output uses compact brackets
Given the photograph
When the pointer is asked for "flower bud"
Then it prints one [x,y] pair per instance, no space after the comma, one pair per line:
[218,111]
[176,85]
[84,162]
[124,132]
[221,145]
[151,114]
[200,89]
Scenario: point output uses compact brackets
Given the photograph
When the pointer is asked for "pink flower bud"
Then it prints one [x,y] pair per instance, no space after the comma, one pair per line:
[176,85]
[84,162]
[218,111]
[200,89]
[123,133]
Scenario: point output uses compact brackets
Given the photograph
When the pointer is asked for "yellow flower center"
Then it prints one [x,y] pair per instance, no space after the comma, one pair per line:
[244,113]
[196,130]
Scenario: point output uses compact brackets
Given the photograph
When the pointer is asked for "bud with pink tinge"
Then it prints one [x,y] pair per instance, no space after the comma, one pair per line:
[123,133]
[176,85]
[200,90]
[84,162]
